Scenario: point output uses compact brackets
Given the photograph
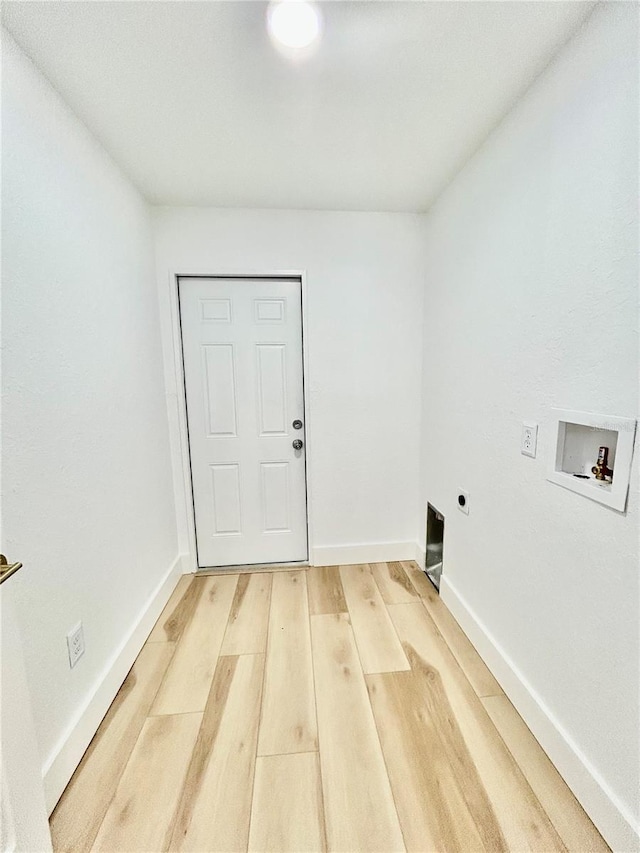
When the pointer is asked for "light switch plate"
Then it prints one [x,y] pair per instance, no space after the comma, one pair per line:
[529,440]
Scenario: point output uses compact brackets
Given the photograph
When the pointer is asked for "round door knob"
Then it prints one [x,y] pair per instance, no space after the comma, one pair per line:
[297,424]
[297,444]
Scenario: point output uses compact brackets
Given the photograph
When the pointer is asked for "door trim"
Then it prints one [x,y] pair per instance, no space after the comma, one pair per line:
[181,404]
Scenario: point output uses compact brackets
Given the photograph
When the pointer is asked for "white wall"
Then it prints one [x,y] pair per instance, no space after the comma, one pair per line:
[88,499]
[363,338]
[532,302]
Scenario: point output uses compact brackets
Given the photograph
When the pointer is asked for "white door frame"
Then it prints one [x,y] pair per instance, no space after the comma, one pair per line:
[176,342]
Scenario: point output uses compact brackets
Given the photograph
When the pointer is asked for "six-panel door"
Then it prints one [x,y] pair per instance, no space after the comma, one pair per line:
[242,348]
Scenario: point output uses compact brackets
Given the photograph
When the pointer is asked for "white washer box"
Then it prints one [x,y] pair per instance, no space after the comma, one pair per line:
[579,437]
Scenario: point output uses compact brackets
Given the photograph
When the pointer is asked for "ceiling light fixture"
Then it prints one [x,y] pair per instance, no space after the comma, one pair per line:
[293,23]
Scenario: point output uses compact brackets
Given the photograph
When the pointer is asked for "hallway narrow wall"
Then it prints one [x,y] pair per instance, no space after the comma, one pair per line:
[87,493]
[363,337]
[531,302]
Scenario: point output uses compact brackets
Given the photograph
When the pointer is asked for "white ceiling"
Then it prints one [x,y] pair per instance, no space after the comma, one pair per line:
[196,106]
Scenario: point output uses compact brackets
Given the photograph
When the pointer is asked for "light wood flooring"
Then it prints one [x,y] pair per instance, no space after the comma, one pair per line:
[336,708]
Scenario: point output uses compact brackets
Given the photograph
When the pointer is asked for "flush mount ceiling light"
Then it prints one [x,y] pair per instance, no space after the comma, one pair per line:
[293,23]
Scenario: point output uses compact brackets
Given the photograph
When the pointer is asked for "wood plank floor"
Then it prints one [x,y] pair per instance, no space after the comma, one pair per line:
[338,708]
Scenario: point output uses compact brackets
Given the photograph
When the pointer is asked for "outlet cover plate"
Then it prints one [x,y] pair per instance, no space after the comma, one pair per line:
[75,644]
[529,440]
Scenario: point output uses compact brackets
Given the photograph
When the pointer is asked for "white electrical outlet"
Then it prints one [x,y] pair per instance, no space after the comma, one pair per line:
[75,644]
[529,440]
[463,501]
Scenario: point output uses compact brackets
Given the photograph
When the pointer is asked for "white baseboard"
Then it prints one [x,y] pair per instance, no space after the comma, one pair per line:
[66,756]
[371,552]
[420,557]
[610,816]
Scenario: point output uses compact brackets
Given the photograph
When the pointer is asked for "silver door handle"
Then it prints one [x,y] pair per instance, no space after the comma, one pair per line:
[297,444]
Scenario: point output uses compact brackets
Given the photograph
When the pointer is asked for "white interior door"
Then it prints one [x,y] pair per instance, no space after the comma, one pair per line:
[23,816]
[242,350]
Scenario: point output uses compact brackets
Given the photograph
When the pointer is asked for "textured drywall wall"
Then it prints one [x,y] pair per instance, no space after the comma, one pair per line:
[87,493]
[532,302]
[364,321]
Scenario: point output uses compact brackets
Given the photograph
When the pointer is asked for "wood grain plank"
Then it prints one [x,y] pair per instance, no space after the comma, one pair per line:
[288,722]
[246,632]
[378,644]
[139,817]
[215,807]
[431,804]
[565,812]
[325,590]
[393,583]
[418,578]
[287,813]
[472,664]
[473,740]
[359,808]
[188,679]
[416,760]
[83,805]
[177,612]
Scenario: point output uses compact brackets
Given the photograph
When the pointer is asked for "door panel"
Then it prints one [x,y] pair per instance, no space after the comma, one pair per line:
[242,348]
[225,482]
[272,389]
[220,389]
[275,496]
